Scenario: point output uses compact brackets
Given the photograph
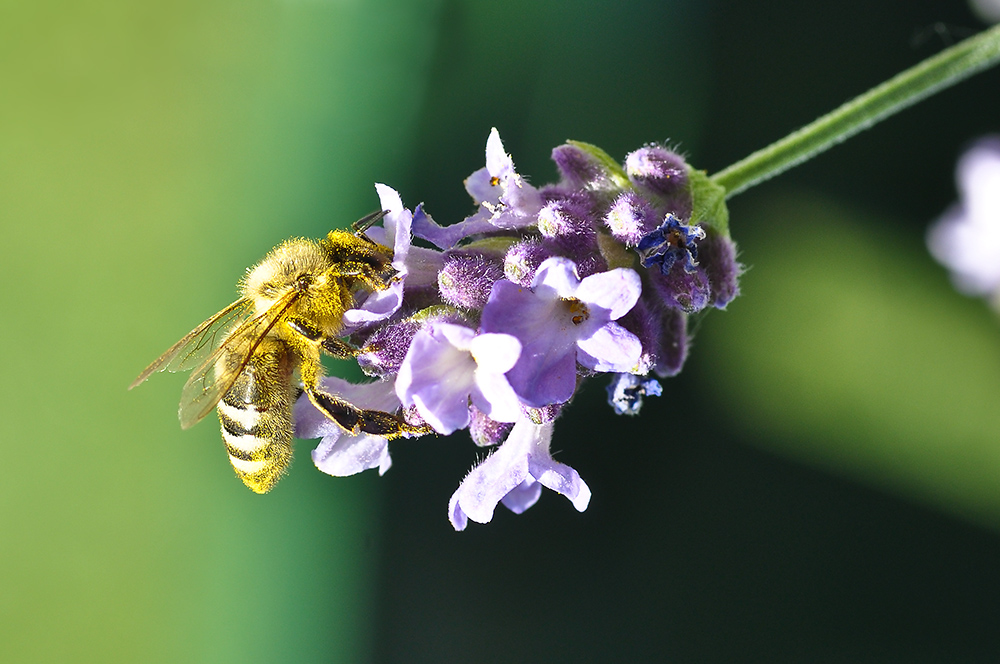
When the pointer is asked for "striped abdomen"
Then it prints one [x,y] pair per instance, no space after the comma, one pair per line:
[256,417]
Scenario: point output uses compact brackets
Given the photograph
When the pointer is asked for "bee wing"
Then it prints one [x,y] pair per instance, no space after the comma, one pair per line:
[197,344]
[208,383]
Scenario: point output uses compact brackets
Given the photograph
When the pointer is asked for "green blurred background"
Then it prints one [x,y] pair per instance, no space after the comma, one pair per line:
[821,484]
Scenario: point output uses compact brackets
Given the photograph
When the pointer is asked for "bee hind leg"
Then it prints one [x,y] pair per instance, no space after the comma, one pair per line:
[356,420]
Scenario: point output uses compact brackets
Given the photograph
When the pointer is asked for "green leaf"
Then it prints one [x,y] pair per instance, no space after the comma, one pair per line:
[709,202]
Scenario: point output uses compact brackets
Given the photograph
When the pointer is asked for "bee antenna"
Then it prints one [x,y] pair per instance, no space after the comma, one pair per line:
[365,222]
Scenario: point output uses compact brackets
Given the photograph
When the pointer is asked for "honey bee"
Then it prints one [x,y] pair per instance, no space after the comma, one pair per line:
[246,357]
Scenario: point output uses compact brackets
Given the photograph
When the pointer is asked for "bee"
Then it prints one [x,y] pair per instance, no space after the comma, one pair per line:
[245,358]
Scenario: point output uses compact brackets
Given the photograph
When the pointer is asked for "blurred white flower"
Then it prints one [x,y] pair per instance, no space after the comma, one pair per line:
[987,10]
[966,239]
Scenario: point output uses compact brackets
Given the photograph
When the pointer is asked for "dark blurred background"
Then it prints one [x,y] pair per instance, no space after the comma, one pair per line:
[822,483]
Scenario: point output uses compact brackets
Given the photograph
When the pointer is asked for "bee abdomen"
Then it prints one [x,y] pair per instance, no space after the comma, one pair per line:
[256,418]
[260,453]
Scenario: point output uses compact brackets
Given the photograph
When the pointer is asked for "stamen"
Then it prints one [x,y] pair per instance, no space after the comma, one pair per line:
[579,310]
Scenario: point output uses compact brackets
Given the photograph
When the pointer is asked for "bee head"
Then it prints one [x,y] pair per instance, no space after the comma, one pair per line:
[342,248]
[292,264]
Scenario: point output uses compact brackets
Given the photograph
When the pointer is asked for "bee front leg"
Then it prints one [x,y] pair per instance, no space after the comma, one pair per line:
[335,346]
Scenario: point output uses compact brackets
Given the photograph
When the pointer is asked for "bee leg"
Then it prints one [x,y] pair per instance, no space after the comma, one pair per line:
[339,348]
[356,420]
[335,346]
[365,222]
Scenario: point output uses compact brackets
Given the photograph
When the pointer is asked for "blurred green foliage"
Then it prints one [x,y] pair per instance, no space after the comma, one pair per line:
[857,356]
[150,152]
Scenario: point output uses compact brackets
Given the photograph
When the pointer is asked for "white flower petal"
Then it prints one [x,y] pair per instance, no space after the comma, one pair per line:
[495,397]
[349,455]
[616,290]
[486,485]
[495,352]
[967,237]
[498,162]
[610,348]
[556,278]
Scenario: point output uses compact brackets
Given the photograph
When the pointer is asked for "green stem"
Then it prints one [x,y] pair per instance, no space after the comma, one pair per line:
[932,75]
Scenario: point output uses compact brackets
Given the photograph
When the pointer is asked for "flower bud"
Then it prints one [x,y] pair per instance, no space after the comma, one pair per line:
[523,259]
[384,350]
[485,431]
[630,218]
[657,168]
[466,279]
[717,254]
[673,346]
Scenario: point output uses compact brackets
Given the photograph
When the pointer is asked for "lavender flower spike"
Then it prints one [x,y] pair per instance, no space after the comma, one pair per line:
[448,365]
[509,474]
[340,453]
[562,320]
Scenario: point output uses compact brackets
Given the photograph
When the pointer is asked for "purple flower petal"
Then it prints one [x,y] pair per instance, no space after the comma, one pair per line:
[523,456]
[495,355]
[499,474]
[440,374]
[422,267]
[546,370]
[560,478]
[480,184]
[395,232]
[523,496]
[447,237]
[437,377]
[554,320]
